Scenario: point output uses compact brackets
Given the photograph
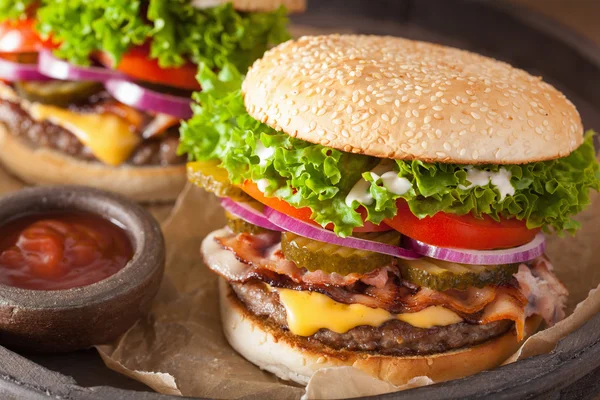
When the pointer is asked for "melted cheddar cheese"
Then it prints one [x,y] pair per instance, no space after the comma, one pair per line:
[108,136]
[307,312]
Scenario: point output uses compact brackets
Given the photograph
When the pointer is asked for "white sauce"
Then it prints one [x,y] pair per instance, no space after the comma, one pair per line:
[389,179]
[500,179]
[264,153]
[393,183]
[262,184]
[360,193]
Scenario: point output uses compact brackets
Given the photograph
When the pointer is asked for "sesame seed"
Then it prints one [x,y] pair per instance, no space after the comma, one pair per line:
[349,82]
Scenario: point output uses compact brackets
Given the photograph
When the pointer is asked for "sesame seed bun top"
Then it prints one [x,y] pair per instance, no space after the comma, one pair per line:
[395,98]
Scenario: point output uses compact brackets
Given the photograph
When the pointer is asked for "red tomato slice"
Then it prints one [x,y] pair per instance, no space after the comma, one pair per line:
[303,214]
[138,64]
[369,226]
[21,37]
[461,231]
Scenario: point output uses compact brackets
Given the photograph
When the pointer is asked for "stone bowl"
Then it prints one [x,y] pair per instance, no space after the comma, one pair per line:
[53,321]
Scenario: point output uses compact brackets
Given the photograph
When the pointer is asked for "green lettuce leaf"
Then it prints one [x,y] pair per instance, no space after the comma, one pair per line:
[177,32]
[13,9]
[547,194]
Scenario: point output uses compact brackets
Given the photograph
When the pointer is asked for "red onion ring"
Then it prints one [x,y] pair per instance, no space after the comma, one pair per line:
[137,96]
[12,71]
[248,214]
[323,235]
[60,69]
[526,252]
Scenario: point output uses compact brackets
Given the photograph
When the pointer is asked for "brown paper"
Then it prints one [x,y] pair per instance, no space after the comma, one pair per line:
[355,383]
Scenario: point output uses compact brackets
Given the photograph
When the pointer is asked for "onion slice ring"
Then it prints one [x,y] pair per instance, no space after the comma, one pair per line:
[248,214]
[60,69]
[526,252]
[323,235]
[140,97]
[13,71]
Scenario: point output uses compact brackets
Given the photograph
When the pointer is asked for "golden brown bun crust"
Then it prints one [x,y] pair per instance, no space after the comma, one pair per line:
[283,354]
[44,166]
[396,98]
[255,5]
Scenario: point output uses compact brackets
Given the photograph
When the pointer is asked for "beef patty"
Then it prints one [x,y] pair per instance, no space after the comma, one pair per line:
[394,337]
[159,151]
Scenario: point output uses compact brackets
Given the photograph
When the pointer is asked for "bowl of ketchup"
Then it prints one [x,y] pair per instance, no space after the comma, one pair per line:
[78,267]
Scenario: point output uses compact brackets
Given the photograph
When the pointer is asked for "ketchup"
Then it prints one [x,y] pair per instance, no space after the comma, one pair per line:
[61,250]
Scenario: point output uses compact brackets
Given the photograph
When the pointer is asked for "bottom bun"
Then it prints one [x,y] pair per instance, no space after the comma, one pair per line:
[284,354]
[44,166]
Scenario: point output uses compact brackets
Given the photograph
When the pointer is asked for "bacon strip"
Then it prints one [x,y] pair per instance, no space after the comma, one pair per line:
[536,290]
[546,295]
[264,251]
[507,305]
[159,125]
[258,257]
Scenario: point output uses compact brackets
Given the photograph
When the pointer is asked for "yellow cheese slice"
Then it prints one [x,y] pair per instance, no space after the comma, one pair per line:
[108,136]
[307,312]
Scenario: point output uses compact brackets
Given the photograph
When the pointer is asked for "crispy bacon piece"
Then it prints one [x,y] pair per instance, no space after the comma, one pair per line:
[264,251]
[134,117]
[258,257]
[546,295]
[507,305]
[245,257]
[159,125]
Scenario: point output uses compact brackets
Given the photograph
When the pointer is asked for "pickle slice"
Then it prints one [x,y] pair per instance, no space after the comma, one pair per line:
[314,255]
[211,177]
[238,225]
[57,93]
[444,275]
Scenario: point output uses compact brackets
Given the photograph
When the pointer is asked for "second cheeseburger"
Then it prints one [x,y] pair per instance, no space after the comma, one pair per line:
[386,199]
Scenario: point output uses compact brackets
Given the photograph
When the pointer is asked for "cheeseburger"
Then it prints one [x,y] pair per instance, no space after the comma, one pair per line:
[387,202]
[93,92]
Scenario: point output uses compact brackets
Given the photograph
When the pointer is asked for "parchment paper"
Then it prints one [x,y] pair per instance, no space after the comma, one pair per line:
[182,338]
